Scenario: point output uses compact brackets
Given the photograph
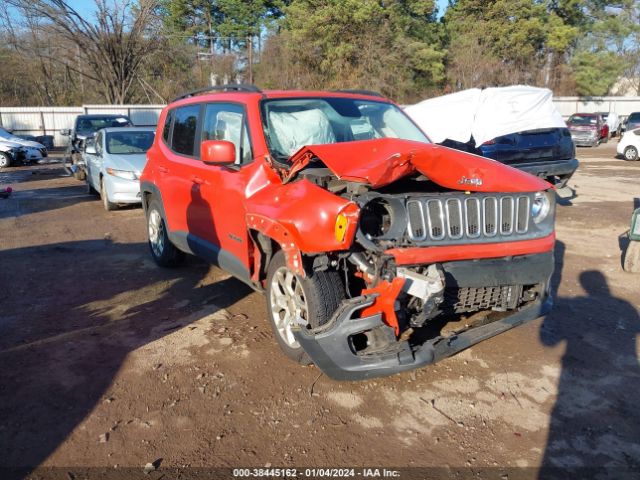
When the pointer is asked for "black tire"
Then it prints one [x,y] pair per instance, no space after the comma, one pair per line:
[630,153]
[167,255]
[108,206]
[89,188]
[631,260]
[323,292]
[5,160]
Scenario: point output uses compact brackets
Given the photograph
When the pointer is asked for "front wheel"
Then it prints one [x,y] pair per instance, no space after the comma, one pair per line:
[5,160]
[108,206]
[631,153]
[164,253]
[308,302]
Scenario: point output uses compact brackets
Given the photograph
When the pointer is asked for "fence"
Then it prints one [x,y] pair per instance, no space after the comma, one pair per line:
[48,121]
[623,106]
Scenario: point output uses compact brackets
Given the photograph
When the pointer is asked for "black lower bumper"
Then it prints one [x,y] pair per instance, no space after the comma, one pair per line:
[557,171]
[331,346]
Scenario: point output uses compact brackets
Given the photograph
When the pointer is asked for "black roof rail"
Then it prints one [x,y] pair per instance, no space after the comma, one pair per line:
[371,93]
[232,87]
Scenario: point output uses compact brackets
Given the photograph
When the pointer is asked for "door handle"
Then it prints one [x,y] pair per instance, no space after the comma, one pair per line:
[163,169]
[197,180]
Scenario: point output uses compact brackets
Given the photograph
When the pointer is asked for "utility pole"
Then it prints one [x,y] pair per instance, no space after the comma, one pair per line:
[80,69]
[250,57]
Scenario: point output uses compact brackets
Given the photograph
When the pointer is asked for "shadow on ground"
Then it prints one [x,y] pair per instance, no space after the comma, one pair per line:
[595,422]
[70,315]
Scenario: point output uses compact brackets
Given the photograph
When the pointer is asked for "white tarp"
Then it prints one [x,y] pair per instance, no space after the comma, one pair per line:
[486,114]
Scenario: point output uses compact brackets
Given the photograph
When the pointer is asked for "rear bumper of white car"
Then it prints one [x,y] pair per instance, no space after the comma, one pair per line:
[120,190]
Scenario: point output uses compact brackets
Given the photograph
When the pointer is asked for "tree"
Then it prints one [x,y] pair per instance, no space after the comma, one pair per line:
[108,51]
[391,46]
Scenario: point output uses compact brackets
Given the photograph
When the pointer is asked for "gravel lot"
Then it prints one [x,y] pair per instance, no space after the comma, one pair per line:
[108,361]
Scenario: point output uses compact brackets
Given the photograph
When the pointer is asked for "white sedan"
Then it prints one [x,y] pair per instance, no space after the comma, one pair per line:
[629,144]
[114,161]
[32,150]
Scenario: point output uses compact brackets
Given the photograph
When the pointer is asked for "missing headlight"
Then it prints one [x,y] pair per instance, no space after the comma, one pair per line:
[376,218]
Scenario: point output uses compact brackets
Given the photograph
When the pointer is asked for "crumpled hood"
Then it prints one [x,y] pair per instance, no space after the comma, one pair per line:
[25,143]
[382,161]
[133,162]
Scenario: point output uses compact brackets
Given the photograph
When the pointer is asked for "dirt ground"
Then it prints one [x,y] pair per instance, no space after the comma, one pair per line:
[108,361]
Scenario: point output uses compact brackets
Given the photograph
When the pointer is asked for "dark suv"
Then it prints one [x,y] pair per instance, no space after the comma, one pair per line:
[377,250]
[86,127]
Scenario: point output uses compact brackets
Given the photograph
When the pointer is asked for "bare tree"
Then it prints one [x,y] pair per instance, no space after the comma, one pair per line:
[108,50]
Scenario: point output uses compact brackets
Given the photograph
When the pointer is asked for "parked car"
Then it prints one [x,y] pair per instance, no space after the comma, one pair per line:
[632,122]
[377,250]
[9,154]
[33,150]
[114,160]
[629,144]
[86,126]
[518,126]
[587,129]
[613,122]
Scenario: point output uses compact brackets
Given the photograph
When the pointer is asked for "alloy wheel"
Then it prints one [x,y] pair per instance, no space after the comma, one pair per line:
[288,305]
[156,232]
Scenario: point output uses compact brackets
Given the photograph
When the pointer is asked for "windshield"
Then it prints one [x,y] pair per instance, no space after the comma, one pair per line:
[583,120]
[293,123]
[93,124]
[6,134]
[634,117]
[129,142]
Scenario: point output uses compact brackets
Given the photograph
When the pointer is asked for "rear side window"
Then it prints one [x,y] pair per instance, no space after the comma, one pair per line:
[167,126]
[184,129]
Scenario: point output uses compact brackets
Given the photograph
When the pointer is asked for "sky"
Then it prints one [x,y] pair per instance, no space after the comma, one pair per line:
[442,6]
[85,7]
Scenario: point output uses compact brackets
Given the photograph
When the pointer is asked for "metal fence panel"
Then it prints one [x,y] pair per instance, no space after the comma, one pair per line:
[48,121]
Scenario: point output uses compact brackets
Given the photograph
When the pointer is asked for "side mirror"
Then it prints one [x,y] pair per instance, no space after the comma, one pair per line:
[90,149]
[65,132]
[218,152]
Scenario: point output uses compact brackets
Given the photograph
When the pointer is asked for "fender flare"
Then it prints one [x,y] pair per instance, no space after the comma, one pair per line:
[146,188]
[281,235]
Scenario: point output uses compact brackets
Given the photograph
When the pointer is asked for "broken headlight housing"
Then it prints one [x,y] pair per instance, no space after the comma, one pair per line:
[383,218]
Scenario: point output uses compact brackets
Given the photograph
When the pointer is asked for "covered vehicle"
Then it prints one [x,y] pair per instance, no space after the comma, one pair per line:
[378,251]
[33,151]
[114,161]
[614,124]
[587,129]
[518,126]
[86,126]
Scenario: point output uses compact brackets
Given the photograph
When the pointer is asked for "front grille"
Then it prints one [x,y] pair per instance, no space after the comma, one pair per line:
[473,299]
[581,134]
[468,217]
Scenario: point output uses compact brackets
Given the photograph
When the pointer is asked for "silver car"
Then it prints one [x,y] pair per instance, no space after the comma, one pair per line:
[114,162]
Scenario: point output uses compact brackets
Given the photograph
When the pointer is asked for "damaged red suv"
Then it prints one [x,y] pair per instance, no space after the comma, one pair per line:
[378,251]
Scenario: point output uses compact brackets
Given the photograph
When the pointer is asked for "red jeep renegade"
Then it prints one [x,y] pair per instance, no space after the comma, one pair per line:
[378,251]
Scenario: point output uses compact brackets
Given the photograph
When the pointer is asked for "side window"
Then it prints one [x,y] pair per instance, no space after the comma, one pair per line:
[99,143]
[167,126]
[184,129]
[226,121]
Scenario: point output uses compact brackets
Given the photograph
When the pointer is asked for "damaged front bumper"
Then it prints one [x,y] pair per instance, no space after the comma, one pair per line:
[333,348]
